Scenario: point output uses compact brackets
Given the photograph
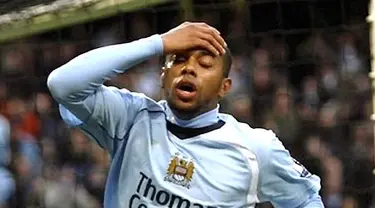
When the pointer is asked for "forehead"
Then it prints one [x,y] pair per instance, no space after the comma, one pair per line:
[197,52]
[193,53]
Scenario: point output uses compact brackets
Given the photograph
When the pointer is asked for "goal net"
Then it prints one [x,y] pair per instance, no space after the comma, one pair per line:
[300,68]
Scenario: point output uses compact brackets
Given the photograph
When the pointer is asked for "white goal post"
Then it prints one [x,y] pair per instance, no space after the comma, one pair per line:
[371,21]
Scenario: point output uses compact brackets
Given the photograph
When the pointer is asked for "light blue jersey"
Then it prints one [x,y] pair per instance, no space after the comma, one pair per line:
[161,161]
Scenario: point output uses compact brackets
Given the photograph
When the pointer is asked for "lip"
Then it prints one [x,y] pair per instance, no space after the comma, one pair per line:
[183,94]
[188,83]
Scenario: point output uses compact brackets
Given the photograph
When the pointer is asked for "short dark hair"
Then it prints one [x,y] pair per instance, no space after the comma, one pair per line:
[227,62]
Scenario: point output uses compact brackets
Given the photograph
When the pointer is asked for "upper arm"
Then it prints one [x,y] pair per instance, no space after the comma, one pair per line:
[284,181]
[105,116]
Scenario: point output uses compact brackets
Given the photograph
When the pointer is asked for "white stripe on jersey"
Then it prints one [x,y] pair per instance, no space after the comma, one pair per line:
[238,141]
[253,186]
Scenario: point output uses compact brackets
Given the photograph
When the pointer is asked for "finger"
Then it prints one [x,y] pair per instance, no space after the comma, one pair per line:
[210,38]
[208,46]
[220,39]
[202,24]
[217,37]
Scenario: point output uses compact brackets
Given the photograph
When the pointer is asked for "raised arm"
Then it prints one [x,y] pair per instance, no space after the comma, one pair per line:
[76,83]
[107,112]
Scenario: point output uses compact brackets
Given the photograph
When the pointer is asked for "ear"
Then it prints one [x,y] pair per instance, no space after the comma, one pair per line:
[226,86]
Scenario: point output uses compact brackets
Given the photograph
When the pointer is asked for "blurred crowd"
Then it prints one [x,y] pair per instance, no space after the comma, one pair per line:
[311,88]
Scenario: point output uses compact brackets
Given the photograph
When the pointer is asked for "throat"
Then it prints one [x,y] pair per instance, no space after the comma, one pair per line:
[186,116]
[193,120]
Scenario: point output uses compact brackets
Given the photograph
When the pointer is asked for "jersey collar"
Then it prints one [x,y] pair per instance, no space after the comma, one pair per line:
[205,119]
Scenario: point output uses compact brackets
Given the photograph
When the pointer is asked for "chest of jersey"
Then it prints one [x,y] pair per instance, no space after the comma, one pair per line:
[161,170]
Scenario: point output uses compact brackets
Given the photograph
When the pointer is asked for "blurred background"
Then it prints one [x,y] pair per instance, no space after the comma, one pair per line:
[300,68]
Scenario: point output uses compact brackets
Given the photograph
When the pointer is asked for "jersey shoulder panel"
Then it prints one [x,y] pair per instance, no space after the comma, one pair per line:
[256,140]
[252,137]
[147,102]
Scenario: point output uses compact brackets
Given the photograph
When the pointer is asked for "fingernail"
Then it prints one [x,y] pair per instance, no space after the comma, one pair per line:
[225,44]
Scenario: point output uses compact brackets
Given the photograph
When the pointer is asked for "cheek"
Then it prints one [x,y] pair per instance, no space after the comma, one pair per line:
[171,73]
[168,85]
[211,86]
[168,79]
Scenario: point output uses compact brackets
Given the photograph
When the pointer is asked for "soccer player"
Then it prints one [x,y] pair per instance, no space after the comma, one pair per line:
[179,152]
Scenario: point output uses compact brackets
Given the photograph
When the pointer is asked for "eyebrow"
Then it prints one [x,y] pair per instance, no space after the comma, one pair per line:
[201,52]
[205,53]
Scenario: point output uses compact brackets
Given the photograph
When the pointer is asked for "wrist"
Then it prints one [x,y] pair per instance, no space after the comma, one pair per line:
[166,48]
[158,44]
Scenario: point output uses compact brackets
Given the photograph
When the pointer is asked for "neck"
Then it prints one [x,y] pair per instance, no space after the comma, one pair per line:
[193,120]
[188,115]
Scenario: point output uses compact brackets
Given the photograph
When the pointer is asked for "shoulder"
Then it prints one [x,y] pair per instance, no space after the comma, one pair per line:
[248,134]
[136,98]
[113,102]
[257,140]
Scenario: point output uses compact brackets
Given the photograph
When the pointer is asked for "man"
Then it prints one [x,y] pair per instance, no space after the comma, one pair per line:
[180,152]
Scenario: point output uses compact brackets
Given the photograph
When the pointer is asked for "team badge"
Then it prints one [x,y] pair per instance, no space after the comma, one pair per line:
[180,171]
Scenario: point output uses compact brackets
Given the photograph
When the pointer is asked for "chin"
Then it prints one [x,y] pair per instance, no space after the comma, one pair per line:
[183,106]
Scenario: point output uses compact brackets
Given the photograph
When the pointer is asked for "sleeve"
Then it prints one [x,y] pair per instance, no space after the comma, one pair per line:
[104,113]
[285,182]
[112,116]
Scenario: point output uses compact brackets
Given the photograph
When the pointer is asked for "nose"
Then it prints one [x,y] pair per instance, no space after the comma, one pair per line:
[189,69]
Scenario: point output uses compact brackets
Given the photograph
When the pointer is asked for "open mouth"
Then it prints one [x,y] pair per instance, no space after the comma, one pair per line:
[186,86]
[186,91]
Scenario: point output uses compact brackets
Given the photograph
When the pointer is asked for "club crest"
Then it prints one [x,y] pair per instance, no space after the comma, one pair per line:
[180,171]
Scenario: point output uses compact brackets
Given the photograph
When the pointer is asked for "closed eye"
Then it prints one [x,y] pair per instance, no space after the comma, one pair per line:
[206,61]
[179,59]
[205,65]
